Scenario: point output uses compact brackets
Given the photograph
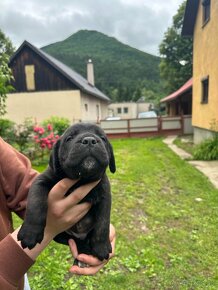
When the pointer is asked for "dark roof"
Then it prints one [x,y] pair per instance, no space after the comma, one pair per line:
[70,74]
[191,11]
[184,89]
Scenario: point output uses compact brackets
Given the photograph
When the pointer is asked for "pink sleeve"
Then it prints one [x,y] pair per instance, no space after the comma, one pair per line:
[14,263]
[16,176]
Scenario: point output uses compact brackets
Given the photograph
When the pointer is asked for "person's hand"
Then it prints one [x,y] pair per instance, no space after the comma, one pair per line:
[94,264]
[64,212]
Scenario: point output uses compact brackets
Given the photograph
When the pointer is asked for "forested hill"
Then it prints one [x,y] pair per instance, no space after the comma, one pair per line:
[122,72]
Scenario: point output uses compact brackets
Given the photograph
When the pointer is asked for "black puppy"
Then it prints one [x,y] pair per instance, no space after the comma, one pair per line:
[83,152]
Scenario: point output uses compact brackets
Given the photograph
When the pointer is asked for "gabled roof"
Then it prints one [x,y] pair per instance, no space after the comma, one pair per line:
[191,11]
[186,87]
[70,74]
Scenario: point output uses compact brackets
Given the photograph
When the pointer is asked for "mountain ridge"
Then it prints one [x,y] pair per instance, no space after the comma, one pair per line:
[122,72]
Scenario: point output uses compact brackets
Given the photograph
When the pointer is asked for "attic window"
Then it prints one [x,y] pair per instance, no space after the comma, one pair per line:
[206,11]
[30,77]
[205,90]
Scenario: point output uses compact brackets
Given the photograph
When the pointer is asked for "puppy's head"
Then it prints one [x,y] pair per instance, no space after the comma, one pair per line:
[83,151]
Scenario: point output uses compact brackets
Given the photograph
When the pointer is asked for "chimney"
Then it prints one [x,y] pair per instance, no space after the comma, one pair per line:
[90,73]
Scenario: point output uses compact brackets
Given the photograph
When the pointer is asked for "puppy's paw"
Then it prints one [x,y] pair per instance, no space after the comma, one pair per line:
[30,235]
[102,250]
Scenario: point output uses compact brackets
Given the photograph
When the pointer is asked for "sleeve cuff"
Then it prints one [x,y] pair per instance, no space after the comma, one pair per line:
[14,262]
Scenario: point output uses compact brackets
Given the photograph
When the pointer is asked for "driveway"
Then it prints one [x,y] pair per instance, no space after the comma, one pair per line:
[208,168]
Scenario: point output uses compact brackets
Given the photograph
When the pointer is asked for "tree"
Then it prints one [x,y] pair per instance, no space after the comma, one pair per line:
[176,52]
[6,50]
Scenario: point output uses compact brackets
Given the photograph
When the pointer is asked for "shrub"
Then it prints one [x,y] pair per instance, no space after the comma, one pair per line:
[23,134]
[7,130]
[208,149]
[45,137]
[59,124]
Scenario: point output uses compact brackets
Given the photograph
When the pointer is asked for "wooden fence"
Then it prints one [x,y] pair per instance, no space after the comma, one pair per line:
[160,126]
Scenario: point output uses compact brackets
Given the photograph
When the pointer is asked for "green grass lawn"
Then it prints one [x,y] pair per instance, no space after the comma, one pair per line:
[166,217]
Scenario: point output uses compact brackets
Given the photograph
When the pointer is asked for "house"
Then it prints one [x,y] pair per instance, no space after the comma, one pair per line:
[129,110]
[46,87]
[179,102]
[200,22]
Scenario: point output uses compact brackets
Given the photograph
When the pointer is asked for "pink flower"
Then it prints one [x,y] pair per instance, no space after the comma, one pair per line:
[49,146]
[36,129]
[49,127]
[41,131]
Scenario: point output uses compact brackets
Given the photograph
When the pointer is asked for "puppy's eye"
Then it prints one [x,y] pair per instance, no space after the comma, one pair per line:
[69,138]
[103,138]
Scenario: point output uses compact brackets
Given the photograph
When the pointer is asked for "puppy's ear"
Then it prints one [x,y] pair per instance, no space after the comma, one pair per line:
[54,160]
[112,164]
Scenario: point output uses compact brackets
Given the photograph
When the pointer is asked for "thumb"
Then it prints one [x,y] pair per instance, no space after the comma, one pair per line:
[73,248]
[61,188]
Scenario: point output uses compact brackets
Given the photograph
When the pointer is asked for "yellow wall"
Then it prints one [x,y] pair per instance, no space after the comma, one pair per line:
[205,63]
[42,105]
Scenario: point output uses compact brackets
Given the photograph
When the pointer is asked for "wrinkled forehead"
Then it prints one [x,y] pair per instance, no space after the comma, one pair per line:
[83,128]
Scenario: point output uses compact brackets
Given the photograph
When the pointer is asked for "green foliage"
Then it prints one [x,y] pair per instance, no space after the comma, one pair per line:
[119,69]
[6,49]
[176,50]
[59,124]
[165,238]
[208,149]
[23,136]
[5,78]
[7,130]
[6,46]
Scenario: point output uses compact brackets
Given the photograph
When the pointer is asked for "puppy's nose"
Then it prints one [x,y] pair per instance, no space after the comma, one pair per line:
[89,141]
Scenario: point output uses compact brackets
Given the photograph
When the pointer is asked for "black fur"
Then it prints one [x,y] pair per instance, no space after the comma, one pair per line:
[83,152]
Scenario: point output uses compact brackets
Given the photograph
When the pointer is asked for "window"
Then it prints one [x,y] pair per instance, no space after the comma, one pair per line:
[126,110]
[206,11]
[205,90]
[119,110]
[86,107]
[30,77]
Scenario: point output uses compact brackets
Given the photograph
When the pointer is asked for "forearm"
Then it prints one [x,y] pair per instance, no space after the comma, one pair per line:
[35,252]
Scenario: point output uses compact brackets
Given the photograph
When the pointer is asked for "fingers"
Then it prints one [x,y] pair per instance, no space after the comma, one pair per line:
[78,194]
[77,212]
[73,248]
[60,188]
[85,271]
[94,264]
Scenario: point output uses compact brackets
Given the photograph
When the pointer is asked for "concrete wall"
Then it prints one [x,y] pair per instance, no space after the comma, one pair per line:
[201,134]
[92,109]
[205,63]
[42,105]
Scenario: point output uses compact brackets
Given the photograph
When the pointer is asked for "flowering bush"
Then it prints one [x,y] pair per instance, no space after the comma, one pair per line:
[45,137]
[59,124]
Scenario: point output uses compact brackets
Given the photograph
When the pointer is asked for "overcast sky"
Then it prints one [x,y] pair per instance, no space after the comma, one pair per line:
[138,23]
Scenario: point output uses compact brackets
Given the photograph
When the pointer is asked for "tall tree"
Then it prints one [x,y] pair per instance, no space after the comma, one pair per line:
[6,50]
[176,52]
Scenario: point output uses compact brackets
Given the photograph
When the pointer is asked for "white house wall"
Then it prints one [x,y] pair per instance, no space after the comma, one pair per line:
[89,108]
[42,105]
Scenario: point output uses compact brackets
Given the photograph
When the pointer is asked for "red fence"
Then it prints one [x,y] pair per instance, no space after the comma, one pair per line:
[159,126]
